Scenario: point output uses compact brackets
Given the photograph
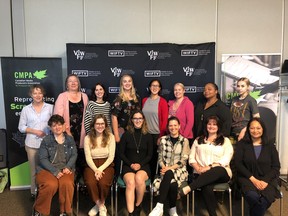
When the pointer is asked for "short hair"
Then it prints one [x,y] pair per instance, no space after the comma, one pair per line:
[180,84]
[215,87]
[36,86]
[56,119]
[78,80]
[172,118]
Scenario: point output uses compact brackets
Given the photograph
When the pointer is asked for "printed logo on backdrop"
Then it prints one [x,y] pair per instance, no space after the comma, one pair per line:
[121,53]
[157,73]
[190,89]
[86,73]
[27,78]
[194,52]
[114,90]
[153,55]
[80,55]
[188,70]
[117,72]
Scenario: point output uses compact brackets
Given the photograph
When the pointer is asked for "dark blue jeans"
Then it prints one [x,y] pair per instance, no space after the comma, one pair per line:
[257,203]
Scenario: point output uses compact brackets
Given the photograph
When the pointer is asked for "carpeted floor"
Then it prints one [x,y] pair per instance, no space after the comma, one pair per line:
[18,203]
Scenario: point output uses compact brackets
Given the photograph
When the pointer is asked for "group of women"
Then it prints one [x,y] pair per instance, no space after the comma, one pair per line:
[146,133]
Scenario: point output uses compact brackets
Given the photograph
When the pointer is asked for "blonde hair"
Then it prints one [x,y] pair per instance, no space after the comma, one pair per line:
[179,84]
[244,79]
[132,91]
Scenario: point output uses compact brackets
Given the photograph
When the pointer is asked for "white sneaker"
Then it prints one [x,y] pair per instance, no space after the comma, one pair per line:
[173,212]
[93,211]
[157,211]
[103,211]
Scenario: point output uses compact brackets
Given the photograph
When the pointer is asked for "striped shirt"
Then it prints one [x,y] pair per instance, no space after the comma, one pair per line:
[94,108]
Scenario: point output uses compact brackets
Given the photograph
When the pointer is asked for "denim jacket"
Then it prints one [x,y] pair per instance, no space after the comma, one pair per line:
[47,154]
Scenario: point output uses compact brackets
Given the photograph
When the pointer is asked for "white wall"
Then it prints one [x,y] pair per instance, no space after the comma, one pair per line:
[41,28]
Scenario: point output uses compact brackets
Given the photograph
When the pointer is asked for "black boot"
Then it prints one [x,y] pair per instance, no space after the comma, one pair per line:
[137,210]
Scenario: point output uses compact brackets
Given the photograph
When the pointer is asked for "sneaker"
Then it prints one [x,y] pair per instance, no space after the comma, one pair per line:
[103,211]
[173,212]
[93,211]
[157,211]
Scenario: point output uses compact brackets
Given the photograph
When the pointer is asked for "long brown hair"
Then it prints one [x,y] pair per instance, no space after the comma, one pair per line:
[130,126]
[106,133]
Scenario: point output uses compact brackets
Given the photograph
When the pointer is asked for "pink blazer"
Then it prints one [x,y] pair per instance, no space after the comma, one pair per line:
[61,107]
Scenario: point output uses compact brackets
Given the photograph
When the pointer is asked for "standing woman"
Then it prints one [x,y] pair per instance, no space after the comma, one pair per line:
[155,109]
[99,147]
[211,105]
[210,157]
[33,121]
[136,152]
[258,168]
[173,155]
[243,108]
[71,105]
[126,101]
[183,108]
[97,105]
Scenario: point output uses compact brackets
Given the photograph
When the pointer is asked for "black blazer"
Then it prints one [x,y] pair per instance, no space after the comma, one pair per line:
[266,168]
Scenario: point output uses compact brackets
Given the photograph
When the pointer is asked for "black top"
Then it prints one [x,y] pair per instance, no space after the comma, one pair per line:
[266,167]
[218,109]
[133,151]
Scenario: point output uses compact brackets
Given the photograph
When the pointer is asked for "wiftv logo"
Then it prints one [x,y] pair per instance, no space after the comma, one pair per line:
[189,52]
[188,71]
[116,53]
[153,54]
[116,71]
[79,54]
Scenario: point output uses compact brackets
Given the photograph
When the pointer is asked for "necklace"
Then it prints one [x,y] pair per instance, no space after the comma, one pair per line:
[137,144]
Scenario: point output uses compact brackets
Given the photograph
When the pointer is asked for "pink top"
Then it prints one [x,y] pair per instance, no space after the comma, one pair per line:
[62,108]
[185,113]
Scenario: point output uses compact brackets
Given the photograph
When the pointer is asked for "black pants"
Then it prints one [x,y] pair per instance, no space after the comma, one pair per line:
[168,189]
[206,182]
[257,203]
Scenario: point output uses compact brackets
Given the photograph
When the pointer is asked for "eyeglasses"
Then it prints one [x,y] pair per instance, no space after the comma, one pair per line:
[99,124]
[137,119]
[156,86]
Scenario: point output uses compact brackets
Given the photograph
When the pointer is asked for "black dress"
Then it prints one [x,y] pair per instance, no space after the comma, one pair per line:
[136,148]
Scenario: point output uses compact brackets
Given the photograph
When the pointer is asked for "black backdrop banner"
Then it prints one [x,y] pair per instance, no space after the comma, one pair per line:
[191,64]
[18,75]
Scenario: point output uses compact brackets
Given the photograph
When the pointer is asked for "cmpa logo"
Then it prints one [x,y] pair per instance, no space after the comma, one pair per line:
[79,54]
[189,52]
[116,53]
[38,74]
[188,71]
[153,54]
[116,71]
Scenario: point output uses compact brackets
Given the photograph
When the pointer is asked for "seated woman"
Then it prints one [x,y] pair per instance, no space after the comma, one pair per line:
[55,172]
[210,157]
[99,148]
[136,149]
[173,156]
[258,167]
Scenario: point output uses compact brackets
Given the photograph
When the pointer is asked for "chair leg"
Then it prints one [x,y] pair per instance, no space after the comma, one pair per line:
[112,200]
[281,204]
[151,197]
[188,203]
[242,206]
[230,202]
[193,203]
[77,198]
[116,200]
